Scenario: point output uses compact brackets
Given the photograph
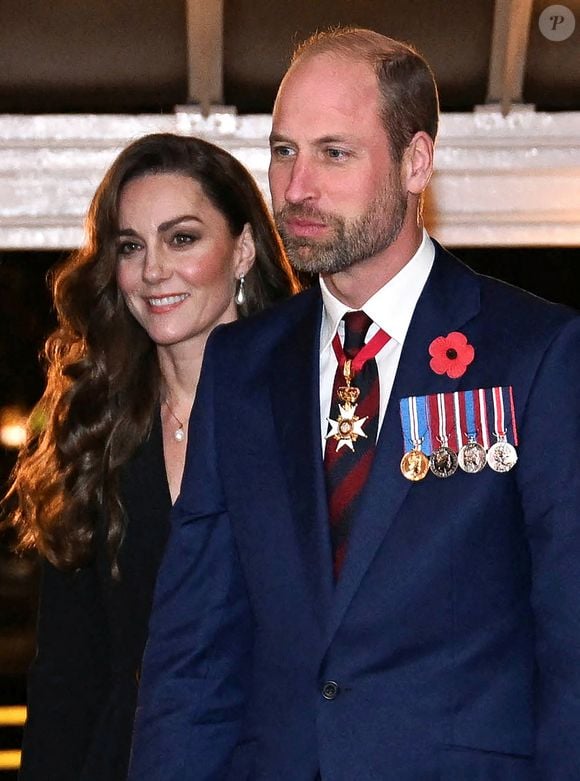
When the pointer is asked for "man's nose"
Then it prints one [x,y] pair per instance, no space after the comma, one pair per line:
[303,183]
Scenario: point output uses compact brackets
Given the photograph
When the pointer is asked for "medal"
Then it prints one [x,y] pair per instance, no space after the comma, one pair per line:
[349,427]
[471,457]
[415,463]
[502,455]
[443,461]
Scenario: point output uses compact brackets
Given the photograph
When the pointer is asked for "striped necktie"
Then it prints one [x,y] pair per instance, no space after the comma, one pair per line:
[347,465]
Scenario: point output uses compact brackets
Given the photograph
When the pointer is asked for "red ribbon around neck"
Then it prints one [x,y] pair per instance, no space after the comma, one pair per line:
[370,350]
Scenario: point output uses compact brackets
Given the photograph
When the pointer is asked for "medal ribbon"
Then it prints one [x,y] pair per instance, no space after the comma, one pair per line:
[437,420]
[483,417]
[443,438]
[498,414]
[504,413]
[513,413]
[370,350]
[471,428]
[414,421]
[458,428]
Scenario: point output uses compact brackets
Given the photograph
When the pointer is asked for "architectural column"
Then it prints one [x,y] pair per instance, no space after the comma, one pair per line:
[509,46]
[205,53]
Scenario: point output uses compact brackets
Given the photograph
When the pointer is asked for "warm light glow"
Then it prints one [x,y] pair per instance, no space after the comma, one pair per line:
[12,427]
[12,435]
[12,715]
[9,760]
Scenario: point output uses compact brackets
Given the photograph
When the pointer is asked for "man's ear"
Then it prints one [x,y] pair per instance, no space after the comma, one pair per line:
[417,166]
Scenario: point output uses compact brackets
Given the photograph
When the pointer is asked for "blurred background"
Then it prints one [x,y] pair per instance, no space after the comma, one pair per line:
[498,66]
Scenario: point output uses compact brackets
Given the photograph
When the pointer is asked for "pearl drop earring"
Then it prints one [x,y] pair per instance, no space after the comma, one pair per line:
[240,296]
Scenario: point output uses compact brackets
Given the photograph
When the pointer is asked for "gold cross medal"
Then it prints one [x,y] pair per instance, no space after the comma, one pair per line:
[349,427]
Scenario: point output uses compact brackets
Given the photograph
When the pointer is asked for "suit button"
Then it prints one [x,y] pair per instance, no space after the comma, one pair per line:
[329,690]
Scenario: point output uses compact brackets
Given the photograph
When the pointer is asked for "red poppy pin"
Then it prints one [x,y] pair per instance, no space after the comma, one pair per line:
[451,354]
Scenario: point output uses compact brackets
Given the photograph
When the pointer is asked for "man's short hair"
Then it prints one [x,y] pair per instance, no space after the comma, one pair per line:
[405,80]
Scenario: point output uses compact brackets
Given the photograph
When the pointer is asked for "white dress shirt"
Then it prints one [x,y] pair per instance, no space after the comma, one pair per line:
[390,308]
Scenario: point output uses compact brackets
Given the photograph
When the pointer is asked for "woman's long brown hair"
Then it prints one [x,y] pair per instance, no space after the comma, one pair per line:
[103,378]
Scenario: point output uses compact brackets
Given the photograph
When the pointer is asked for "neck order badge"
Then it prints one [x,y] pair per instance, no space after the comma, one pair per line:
[348,427]
[350,448]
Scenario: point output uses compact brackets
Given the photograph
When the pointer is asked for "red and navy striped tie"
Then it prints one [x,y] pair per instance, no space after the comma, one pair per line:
[346,471]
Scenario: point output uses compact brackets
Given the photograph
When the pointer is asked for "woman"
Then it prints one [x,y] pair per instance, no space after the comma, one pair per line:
[179,241]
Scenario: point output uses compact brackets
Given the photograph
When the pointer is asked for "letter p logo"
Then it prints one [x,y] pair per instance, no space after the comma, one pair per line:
[557,22]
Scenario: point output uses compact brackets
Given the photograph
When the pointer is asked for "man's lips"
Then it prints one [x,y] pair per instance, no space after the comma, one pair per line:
[304,228]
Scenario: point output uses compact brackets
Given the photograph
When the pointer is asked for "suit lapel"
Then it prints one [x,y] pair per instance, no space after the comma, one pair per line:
[450,298]
[295,399]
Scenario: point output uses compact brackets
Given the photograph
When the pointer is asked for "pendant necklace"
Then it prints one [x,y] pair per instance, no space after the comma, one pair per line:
[179,433]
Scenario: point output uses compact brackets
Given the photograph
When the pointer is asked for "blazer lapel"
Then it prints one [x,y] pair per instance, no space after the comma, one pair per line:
[450,298]
[295,395]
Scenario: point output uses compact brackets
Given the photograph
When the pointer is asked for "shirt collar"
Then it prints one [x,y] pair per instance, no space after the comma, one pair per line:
[392,306]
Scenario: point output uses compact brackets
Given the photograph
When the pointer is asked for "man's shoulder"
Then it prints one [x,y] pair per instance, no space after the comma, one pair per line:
[276,319]
[272,324]
[505,303]
[523,312]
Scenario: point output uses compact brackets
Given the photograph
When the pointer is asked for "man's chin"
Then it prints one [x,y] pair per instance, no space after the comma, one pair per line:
[304,257]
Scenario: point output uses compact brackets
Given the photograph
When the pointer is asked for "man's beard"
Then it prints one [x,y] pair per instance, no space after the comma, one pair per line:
[350,243]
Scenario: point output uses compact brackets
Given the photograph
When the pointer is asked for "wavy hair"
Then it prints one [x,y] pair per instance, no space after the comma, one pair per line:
[103,376]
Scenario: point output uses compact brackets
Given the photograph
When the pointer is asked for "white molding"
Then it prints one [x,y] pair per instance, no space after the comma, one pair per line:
[499,181]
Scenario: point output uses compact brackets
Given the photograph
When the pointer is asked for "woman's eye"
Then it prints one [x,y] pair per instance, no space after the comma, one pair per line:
[128,247]
[182,239]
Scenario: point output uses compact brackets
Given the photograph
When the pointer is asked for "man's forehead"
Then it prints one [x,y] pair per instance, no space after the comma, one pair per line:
[311,66]
[329,82]
[328,96]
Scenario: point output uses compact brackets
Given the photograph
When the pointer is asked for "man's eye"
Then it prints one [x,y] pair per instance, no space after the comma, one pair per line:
[282,151]
[336,154]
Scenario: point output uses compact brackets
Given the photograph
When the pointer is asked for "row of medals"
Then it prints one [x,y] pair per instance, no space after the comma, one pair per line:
[415,465]
[472,458]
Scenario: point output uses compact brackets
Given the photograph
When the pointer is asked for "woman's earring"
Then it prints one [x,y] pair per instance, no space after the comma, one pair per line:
[240,297]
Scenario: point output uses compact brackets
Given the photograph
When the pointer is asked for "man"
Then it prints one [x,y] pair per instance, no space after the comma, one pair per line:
[374,571]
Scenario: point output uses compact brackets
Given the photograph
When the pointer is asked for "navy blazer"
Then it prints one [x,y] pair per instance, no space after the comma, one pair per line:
[449,650]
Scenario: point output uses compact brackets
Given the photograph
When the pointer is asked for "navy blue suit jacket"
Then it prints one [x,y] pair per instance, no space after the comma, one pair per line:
[453,634]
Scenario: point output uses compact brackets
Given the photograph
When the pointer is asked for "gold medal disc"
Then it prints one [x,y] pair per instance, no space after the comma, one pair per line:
[414,465]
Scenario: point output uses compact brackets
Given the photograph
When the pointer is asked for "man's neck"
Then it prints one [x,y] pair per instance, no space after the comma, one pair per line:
[355,285]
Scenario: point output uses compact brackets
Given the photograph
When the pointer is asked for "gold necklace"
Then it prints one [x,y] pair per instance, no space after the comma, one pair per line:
[179,433]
